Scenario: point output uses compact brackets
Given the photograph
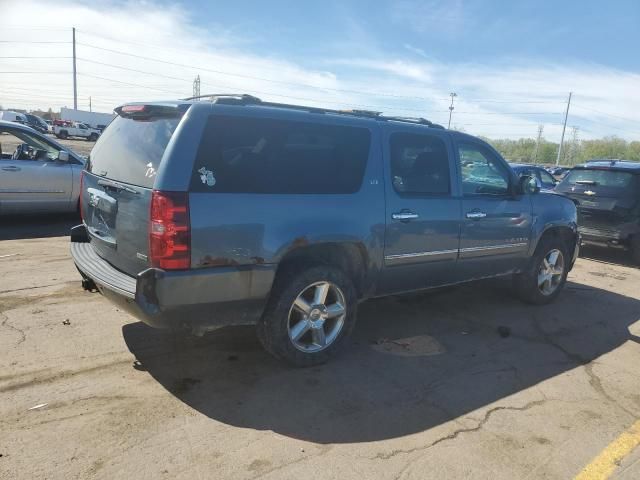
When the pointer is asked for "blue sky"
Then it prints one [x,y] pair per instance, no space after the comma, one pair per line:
[512,64]
[454,30]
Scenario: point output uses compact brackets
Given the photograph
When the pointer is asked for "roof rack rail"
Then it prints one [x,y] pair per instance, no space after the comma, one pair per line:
[246,99]
[237,96]
[418,120]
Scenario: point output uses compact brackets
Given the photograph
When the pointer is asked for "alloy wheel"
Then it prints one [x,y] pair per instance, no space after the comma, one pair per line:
[550,272]
[316,317]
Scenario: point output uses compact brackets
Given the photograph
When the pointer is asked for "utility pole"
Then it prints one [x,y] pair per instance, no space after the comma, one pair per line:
[535,154]
[574,144]
[564,127]
[196,86]
[90,103]
[452,95]
[75,83]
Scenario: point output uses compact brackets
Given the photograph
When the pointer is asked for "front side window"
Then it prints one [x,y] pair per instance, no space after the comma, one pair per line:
[419,164]
[261,155]
[546,177]
[482,172]
[19,145]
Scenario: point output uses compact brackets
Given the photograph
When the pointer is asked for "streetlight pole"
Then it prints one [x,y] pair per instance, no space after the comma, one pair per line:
[452,95]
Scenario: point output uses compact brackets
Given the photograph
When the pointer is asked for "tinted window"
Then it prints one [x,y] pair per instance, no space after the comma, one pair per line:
[482,171]
[603,178]
[130,150]
[257,155]
[419,164]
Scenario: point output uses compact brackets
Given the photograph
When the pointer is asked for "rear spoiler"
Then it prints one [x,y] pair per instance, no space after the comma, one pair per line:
[149,110]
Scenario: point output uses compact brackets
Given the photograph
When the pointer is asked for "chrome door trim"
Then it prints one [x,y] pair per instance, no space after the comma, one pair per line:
[493,247]
[420,254]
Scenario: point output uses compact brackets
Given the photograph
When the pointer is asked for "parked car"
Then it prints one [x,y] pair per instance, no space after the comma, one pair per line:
[201,214]
[75,129]
[9,116]
[36,123]
[547,180]
[37,174]
[608,196]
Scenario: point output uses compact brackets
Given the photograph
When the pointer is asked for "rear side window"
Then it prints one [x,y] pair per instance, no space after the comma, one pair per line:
[419,164]
[130,150]
[258,155]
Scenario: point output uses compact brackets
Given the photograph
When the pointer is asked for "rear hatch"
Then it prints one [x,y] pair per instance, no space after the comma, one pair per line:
[118,183]
[605,198]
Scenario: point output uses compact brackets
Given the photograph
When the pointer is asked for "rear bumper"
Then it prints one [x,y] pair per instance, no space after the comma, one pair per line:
[610,237]
[197,300]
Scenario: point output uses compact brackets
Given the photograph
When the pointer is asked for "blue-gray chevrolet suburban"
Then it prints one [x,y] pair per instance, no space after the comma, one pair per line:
[229,210]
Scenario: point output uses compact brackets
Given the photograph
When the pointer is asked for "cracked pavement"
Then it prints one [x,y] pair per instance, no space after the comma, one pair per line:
[123,400]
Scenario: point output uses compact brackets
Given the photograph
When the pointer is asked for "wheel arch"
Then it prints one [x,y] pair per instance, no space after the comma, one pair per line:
[350,257]
[567,233]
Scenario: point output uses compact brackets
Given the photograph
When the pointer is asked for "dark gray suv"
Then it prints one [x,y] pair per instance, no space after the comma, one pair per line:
[201,214]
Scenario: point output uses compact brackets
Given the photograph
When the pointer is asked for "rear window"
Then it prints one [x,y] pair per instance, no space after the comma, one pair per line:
[130,150]
[600,178]
[258,155]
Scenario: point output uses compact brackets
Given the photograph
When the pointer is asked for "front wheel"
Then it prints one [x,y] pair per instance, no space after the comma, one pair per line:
[93,137]
[547,273]
[309,316]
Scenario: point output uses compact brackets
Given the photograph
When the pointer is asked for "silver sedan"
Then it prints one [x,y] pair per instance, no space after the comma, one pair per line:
[37,174]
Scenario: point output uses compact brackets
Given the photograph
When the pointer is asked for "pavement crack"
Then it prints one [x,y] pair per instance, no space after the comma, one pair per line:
[5,323]
[29,288]
[456,433]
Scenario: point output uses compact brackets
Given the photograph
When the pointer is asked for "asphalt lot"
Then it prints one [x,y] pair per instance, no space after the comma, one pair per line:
[428,389]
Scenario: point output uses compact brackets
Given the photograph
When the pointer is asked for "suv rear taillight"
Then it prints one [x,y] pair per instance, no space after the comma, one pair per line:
[170,231]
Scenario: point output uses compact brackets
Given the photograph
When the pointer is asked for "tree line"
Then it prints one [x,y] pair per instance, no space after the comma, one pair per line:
[574,152]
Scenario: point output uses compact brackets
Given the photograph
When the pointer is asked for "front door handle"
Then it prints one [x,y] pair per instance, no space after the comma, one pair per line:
[476,215]
[11,168]
[404,216]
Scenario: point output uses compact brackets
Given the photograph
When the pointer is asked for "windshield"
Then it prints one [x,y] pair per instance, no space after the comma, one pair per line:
[601,178]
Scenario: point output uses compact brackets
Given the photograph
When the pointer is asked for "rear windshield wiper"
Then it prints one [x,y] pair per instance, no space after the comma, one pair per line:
[117,186]
[586,182]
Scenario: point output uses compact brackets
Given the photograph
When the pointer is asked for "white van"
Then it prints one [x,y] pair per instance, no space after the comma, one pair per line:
[9,116]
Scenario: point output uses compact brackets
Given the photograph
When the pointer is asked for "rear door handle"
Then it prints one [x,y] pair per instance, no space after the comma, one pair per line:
[404,215]
[11,168]
[476,215]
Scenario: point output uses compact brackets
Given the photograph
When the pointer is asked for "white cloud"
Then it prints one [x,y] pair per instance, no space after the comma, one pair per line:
[406,82]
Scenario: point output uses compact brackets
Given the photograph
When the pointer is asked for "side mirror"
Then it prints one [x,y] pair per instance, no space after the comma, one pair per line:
[63,156]
[530,184]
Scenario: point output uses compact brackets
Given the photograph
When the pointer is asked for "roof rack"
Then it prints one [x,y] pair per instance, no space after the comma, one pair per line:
[245,99]
[236,96]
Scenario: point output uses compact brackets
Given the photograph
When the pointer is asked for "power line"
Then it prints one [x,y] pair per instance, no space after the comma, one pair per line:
[508,113]
[252,77]
[31,41]
[154,74]
[131,84]
[25,57]
[39,73]
[636,120]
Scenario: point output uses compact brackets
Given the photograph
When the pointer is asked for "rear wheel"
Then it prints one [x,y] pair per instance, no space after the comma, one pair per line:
[93,137]
[309,316]
[63,134]
[547,273]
